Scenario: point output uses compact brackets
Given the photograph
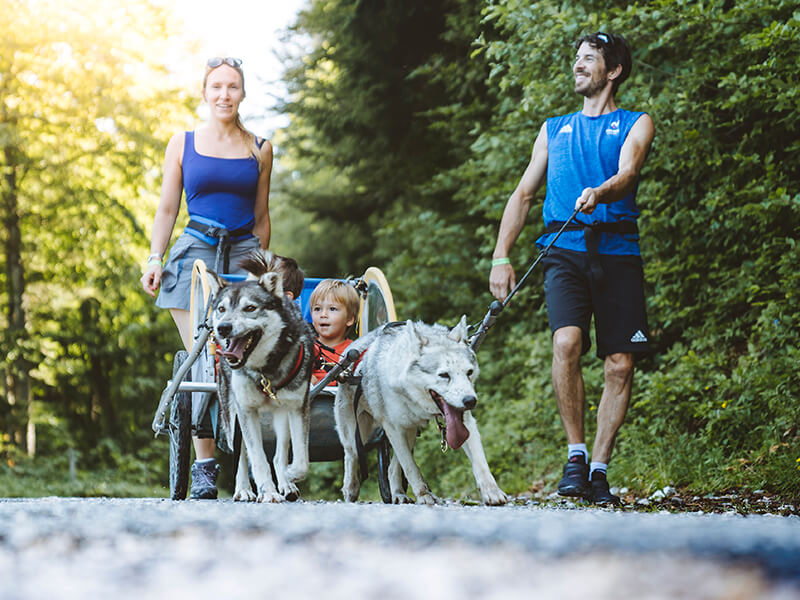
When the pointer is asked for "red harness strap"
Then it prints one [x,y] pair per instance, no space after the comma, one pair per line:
[294,370]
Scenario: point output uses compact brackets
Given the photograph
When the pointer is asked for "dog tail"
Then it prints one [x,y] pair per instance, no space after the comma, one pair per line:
[259,262]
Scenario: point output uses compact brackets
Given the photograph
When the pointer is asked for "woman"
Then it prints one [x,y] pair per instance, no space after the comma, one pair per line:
[225,171]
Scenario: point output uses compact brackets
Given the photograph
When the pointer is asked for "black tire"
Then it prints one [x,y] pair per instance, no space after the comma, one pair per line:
[180,436]
[384,451]
[383,470]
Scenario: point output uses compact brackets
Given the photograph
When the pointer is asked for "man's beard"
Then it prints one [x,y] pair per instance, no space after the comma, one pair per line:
[593,87]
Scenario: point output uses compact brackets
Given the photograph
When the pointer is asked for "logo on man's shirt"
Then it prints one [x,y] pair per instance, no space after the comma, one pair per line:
[566,129]
[613,129]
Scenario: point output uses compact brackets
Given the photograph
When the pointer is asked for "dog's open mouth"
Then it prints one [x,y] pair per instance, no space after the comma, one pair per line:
[457,434]
[238,349]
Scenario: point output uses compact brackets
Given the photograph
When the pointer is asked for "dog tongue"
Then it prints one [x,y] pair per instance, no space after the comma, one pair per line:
[457,434]
[236,350]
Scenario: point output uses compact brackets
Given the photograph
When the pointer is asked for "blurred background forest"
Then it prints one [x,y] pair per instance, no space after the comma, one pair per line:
[409,124]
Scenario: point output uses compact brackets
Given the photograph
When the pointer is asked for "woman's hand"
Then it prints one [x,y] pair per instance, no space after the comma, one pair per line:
[151,279]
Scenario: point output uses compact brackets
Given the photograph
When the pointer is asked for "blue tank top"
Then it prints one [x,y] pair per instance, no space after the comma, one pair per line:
[583,152]
[219,191]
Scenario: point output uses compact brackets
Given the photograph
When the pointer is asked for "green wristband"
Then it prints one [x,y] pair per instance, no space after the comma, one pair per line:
[155,261]
[500,261]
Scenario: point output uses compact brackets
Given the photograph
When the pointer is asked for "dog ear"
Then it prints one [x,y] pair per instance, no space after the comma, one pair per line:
[215,282]
[414,334]
[273,283]
[459,332]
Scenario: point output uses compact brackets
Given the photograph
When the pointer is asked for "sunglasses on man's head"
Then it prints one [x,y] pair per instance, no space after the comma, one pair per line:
[218,60]
[604,37]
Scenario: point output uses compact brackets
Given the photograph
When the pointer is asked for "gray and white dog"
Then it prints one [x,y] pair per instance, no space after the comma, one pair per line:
[266,350]
[412,373]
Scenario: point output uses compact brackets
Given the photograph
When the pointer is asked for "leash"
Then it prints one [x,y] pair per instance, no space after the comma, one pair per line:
[496,307]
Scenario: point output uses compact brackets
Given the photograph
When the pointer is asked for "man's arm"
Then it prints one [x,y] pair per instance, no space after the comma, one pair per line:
[501,278]
[631,160]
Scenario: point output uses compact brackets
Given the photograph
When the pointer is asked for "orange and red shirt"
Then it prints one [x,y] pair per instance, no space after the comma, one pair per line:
[328,357]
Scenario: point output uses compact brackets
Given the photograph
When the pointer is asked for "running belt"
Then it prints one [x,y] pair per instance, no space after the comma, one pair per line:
[590,234]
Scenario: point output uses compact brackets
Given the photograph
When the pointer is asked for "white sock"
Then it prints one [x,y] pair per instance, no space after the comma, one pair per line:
[205,461]
[575,449]
[597,466]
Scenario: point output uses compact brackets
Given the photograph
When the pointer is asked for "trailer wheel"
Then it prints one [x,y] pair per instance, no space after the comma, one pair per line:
[383,470]
[384,451]
[180,436]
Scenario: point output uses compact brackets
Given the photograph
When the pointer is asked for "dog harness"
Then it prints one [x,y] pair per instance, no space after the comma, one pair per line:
[266,384]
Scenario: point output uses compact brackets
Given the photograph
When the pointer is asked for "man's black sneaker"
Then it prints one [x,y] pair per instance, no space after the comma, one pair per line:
[600,493]
[575,481]
[204,481]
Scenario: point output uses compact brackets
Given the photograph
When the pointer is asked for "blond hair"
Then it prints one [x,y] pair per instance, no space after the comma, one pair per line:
[248,136]
[340,291]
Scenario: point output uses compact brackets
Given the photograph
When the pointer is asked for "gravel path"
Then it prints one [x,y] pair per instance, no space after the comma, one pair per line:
[153,548]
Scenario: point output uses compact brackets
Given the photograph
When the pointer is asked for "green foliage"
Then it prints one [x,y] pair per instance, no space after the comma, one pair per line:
[715,406]
[86,106]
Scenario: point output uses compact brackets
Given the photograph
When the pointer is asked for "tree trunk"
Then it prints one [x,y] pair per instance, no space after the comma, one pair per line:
[18,381]
[101,409]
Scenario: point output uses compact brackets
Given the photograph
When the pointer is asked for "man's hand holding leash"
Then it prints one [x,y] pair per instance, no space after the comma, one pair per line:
[587,201]
[501,278]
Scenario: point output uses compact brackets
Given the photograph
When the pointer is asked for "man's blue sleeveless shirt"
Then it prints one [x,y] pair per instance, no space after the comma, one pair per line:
[583,152]
[219,191]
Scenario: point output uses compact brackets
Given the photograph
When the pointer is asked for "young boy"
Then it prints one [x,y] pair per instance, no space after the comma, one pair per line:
[334,308]
[291,275]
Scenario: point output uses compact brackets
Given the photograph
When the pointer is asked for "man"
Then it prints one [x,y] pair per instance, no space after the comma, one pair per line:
[591,161]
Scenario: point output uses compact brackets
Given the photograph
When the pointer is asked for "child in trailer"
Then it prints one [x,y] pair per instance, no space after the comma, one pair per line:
[334,308]
[292,276]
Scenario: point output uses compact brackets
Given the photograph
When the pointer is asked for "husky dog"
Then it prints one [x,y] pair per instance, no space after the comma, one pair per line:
[266,350]
[410,374]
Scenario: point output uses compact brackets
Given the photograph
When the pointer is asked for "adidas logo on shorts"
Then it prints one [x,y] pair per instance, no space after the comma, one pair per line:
[639,337]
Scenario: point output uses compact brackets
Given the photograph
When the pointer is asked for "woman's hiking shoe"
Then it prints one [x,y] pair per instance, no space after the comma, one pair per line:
[600,493]
[575,481]
[204,481]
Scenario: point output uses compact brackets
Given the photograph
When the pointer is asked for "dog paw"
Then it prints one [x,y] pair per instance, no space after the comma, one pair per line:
[296,474]
[400,498]
[272,497]
[244,496]
[494,497]
[427,499]
[351,491]
[289,492]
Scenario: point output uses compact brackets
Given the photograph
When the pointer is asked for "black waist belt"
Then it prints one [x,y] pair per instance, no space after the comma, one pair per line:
[590,234]
[218,232]
[224,237]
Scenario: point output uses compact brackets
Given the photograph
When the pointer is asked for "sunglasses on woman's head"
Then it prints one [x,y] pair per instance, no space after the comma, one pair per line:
[218,60]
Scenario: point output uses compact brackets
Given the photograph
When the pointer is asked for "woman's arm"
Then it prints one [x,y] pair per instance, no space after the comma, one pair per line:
[262,227]
[167,211]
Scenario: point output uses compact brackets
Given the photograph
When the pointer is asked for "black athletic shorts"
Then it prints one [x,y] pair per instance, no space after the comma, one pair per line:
[617,303]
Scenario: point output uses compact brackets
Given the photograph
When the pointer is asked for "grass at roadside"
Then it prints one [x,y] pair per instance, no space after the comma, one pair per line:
[52,476]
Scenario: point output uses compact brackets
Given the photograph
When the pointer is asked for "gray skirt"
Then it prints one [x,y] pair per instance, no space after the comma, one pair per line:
[176,278]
